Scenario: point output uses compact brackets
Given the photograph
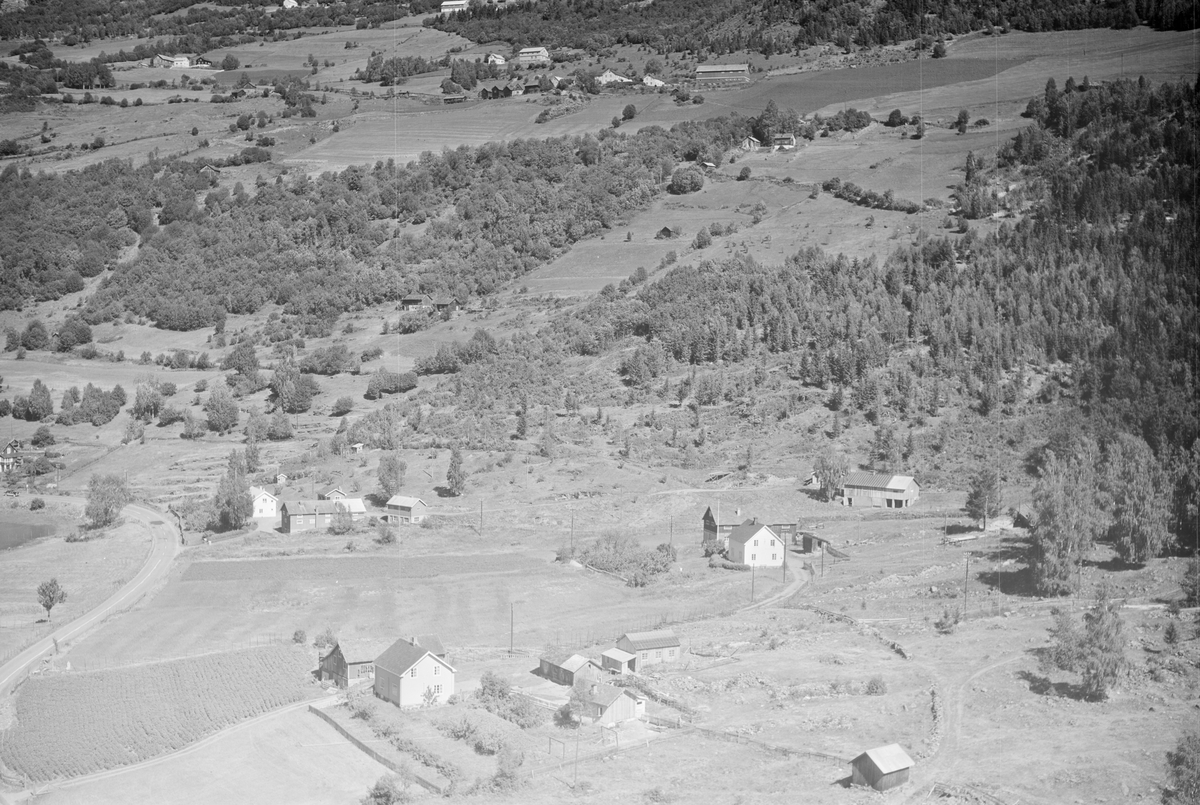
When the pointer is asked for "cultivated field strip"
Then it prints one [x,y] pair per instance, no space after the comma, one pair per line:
[77,723]
[358,567]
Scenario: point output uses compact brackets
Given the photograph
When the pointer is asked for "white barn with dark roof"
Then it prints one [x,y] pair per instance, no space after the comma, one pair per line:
[880,491]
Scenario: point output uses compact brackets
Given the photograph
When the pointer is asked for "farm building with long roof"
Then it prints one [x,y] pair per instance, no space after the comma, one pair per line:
[880,491]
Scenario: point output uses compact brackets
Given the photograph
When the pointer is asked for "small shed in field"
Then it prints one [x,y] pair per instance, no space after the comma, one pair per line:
[881,768]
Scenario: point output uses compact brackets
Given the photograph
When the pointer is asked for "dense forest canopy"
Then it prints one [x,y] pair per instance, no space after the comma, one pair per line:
[322,246]
[201,25]
[780,26]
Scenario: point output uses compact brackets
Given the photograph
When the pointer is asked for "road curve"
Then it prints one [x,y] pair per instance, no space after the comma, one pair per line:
[163,550]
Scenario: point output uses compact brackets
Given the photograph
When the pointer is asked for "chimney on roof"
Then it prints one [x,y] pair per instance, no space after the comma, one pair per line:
[594,688]
[737,512]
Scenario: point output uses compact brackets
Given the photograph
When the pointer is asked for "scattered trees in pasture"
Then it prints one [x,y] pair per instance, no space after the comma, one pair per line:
[391,473]
[456,476]
[1096,651]
[232,504]
[985,499]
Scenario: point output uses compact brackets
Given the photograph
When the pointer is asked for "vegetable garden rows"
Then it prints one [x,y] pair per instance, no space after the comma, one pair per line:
[70,724]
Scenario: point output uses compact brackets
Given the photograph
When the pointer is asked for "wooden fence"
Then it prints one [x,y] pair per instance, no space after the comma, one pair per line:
[407,773]
[733,737]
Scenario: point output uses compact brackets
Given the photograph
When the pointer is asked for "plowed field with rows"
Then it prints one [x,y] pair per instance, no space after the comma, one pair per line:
[76,723]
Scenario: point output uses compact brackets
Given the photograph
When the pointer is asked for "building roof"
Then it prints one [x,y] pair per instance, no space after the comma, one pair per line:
[533,50]
[643,641]
[748,530]
[403,655]
[870,480]
[430,642]
[618,654]
[352,505]
[256,491]
[736,515]
[295,507]
[405,502]
[358,650]
[888,758]
[603,695]
[722,68]
[331,490]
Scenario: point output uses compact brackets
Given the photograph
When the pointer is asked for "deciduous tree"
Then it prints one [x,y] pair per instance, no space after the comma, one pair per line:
[50,594]
[233,504]
[107,495]
[831,469]
[1137,493]
[456,476]
[222,410]
[391,473]
[1068,517]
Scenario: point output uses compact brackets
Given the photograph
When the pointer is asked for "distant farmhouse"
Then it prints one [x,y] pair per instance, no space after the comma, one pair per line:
[528,56]
[756,545]
[649,648]
[750,143]
[786,140]
[265,504]
[651,81]
[332,493]
[15,455]
[451,6]
[785,526]
[170,62]
[880,491]
[410,675]
[722,72]
[609,77]
[495,58]
[309,515]
[405,510]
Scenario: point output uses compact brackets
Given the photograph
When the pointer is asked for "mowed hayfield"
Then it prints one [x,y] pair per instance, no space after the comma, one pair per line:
[72,723]
[89,572]
[233,603]
[293,757]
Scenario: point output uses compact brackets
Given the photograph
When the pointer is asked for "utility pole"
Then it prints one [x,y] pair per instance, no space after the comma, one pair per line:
[511,616]
[481,517]
[966,569]
[751,584]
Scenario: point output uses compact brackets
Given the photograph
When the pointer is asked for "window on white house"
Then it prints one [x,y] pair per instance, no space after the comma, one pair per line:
[753,556]
[772,543]
[658,655]
[436,668]
[772,557]
[755,543]
[413,673]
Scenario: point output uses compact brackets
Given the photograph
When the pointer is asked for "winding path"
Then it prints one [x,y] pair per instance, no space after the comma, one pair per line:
[164,547]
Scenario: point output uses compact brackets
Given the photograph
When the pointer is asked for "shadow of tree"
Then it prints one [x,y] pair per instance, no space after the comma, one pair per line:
[1044,686]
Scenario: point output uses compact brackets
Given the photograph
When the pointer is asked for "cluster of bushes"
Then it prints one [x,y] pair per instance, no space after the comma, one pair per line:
[717,561]
[93,405]
[495,696]
[851,192]
[483,738]
[384,382]
[452,357]
[331,360]
[624,556]
[72,333]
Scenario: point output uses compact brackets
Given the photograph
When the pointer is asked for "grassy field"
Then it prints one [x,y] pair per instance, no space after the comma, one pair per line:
[69,724]
[294,757]
[89,571]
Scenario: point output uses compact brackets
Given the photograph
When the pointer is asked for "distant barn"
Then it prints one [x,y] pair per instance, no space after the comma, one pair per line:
[880,491]
[881,768]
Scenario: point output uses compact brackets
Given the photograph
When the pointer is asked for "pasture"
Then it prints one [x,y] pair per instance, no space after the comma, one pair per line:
[89,571]
[72,723]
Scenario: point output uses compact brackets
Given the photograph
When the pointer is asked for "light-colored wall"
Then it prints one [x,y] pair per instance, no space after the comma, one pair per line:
[409,690]
[767,553]
[653,656]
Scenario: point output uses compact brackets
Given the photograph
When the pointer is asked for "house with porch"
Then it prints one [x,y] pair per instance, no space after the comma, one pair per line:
[404,509]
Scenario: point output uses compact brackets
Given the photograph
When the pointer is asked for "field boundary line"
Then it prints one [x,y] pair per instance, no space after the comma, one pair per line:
[371,753]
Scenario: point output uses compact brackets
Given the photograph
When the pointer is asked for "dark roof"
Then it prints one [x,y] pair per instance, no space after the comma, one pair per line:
[431,643]
[603,695]
[643,641]
[403,655]
[294,507]
[746,531]
[357,650]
